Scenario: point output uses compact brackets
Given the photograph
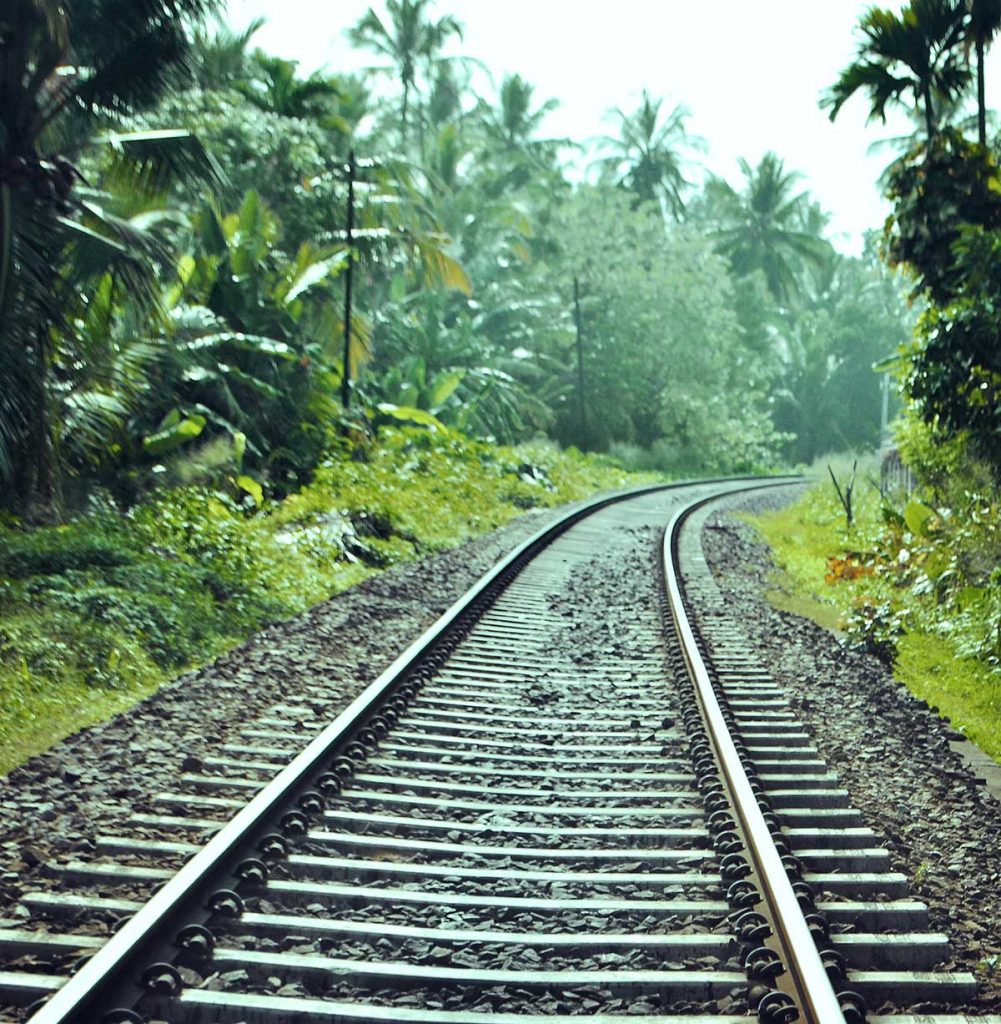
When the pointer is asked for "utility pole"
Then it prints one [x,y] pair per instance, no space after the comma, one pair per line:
[348,285]
[581,409]
[884,433]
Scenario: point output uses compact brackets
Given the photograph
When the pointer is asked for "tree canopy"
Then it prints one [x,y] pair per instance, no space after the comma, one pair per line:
[175,256]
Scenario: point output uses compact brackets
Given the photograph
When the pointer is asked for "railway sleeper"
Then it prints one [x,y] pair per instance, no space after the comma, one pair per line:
[865,860]
[665,770]
[912,951]
[436,848]
[226,1008]
[901,986]
[392,745]
[674,984]
[654,835]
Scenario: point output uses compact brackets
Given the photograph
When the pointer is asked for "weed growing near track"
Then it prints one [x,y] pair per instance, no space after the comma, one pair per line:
[914,581]
[96,614]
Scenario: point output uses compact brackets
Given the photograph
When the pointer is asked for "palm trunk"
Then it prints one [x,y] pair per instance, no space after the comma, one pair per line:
[37,494]
[33,488]
[981,96]
[348,285]
[403,114]
[420,132]
[6,242]
[581,405]
[929,111]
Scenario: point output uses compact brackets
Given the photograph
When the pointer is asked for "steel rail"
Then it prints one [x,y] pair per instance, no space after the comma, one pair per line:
[811,987]
[77,1001]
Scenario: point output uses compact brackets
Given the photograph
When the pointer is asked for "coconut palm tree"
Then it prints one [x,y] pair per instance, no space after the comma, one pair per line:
[221,59]
[515,156]
[769,226]
[917,52]
[648,156]
[276,88]
[64,67]
[408,38]
[513,123]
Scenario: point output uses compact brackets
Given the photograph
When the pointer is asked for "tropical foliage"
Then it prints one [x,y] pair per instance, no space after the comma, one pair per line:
[96,613]
[946,226]
[649,155]
[176,255]
[184,216]
[915,578]
[914,581]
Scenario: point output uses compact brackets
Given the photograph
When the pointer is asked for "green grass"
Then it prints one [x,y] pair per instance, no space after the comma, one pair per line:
[892,601]
[97,614]
[960,688]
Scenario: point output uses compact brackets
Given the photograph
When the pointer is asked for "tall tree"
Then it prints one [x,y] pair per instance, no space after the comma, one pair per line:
[221,59]
[649,155]
[406,39]
[917,52]
[63,67]
[769,226]
[511,126]
[513,122]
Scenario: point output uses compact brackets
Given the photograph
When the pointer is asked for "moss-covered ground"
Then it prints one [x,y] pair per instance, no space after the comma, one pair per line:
[98,613]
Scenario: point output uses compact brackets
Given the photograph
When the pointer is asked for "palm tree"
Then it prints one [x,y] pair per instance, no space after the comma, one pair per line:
[64,66]
[984,24]
[648,155]
[917,52]
[515,156]
[408,38]
[513,122]
[769,226]
[221,59]
[278,90]
[951,111]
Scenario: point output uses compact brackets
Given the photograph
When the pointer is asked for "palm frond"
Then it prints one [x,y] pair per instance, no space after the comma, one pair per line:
[131,71]
[150,161]
[90,254]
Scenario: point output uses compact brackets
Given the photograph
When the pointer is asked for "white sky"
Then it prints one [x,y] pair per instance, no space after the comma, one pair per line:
[750,71]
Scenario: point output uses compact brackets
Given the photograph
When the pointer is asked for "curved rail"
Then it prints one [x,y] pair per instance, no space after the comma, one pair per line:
[145,937]
[806,979]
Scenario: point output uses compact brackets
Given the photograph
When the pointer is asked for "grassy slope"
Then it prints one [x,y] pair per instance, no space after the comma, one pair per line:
[805,534]
[97,614]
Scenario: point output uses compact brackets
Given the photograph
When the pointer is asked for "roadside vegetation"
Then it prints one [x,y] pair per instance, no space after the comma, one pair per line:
[916,578]
[96,613]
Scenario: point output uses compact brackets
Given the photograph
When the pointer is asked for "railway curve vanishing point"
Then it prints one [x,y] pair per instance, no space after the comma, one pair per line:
[527,816]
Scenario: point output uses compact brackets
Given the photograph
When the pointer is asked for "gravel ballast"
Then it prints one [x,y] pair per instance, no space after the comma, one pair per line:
[937,821]
[894,755]
[54,806]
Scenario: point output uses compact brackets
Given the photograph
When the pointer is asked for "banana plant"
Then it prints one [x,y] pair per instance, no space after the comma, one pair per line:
[431,358]
[254,336]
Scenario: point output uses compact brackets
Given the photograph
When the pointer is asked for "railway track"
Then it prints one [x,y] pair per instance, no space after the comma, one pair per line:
[525,817]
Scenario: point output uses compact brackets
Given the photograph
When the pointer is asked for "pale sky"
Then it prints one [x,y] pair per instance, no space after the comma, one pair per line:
[750,72]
